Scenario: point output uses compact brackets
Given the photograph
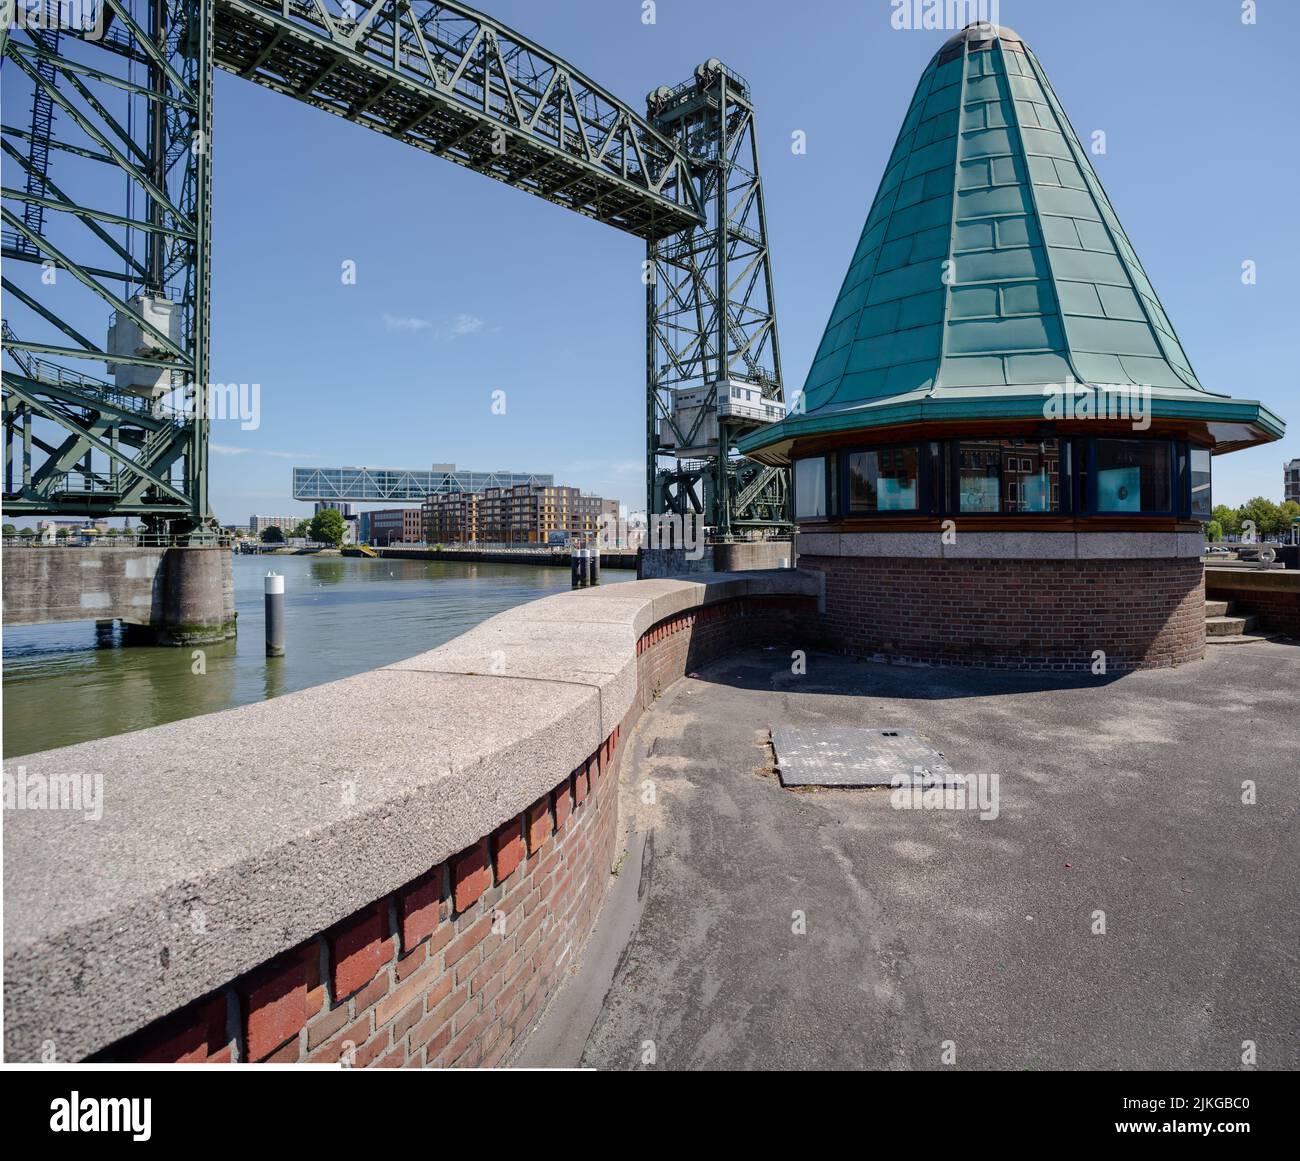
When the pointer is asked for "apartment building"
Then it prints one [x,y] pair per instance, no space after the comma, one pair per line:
[592,514]
[451,518]
[523,514]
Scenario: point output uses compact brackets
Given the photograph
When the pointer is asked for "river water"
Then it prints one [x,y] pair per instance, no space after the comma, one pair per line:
[343,615]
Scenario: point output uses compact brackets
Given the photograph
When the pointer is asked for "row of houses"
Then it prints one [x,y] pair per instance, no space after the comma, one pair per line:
[524,514]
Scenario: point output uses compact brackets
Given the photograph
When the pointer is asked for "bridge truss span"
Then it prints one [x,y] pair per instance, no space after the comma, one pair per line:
[449,80]
[108,133]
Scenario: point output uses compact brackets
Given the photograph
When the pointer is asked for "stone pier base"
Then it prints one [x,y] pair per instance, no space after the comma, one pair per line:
[198,597]
[164,596]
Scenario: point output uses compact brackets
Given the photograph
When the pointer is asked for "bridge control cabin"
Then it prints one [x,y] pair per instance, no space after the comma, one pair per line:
[1002,456]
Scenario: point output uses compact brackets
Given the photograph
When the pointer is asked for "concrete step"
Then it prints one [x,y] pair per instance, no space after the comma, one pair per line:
[1216,608]
[1238,639]
[1228,626]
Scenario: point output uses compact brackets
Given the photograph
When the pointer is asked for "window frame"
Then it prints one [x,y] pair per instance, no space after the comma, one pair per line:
[953,491]
[828,476]
[923,451]
[1186,491]
[1174,481]
[938,479]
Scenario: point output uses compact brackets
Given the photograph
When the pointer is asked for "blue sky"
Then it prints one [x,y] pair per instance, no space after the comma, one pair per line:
[465,287]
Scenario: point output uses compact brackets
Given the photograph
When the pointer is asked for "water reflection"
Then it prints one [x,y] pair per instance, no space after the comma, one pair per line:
[343,615]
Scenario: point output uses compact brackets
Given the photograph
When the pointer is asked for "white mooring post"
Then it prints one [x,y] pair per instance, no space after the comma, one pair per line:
[273,588]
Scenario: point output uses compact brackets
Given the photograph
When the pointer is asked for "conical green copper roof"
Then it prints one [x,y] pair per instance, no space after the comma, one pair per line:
[992,264]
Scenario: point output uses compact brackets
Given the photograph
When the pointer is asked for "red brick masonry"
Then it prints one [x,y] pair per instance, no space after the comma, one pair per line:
[454,967]
[1271,596]
[1015,614]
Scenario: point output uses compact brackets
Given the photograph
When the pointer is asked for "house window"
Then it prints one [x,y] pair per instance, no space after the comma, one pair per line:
[1134,475]
[1003,475]
[884,480]
[810,489]
[1202,500]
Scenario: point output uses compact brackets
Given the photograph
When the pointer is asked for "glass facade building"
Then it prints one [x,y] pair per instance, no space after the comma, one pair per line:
[382,485]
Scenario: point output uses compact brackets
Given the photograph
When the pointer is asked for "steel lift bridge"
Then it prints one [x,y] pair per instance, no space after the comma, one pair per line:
[107,233]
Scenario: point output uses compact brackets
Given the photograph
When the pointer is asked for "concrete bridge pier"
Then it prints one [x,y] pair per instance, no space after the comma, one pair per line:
[198,599]
[163,596]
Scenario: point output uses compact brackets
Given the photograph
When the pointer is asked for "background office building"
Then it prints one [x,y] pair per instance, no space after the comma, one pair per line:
[393,525]
[343,509]
[1291,481]
[400,486]
[351,521]
[286,524]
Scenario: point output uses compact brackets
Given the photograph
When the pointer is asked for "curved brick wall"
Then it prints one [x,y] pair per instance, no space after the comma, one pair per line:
[192,927]
[449,970]
[1015,613]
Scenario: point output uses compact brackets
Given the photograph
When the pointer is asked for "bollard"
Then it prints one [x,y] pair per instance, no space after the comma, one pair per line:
[273,588]
[575,568]
[594,577]
[584,568]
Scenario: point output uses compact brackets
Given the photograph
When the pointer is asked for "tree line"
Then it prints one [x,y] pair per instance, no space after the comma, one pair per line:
[327,527]
[1272,521]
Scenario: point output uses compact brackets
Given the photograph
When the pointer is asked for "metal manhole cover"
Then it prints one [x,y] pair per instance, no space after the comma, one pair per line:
[841,756]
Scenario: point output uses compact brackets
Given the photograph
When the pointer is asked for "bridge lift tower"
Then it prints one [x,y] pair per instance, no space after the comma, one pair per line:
[106,304]
[107,228]
[713,359]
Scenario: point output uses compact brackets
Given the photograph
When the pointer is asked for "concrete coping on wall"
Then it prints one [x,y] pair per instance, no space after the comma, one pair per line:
[226,839]
[1253,579]
[962,544]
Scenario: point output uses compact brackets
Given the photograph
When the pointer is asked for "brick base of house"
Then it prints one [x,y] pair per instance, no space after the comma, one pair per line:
[453,968]
[1015,614]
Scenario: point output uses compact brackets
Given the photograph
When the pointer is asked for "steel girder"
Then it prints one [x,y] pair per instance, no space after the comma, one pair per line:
[441,77]
[710,304]
[123,104]
[760,493]
[389,485]
[449,80]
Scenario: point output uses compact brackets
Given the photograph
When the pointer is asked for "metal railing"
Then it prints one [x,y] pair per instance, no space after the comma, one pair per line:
[57,375]
[506,548]
[1261,554]
[143,540]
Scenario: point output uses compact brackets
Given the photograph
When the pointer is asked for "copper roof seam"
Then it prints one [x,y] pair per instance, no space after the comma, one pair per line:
[930,72]
[1096,187]
[951,272]
[1005,86]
